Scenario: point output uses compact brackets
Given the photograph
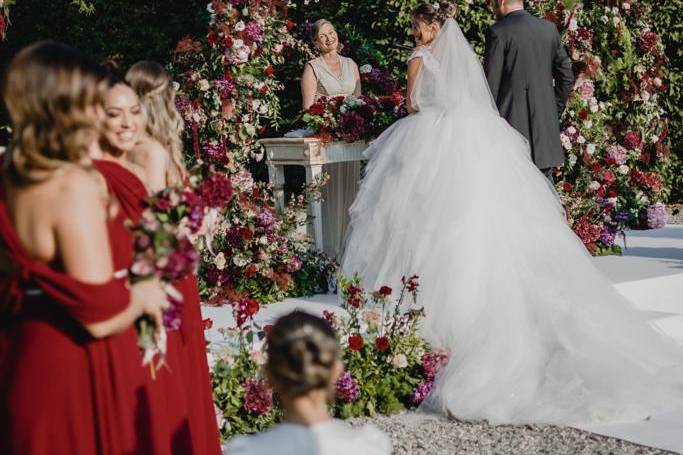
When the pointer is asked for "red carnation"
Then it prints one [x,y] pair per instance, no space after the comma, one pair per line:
[567,187]
[608,177]
[207,323]
[246,233]
[269,70]
[263,89]
[583,115]
[228,42]
[382,343]
[385,291]
[355,342]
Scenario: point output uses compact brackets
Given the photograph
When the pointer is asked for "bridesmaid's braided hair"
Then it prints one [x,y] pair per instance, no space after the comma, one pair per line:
[302,351]
[438,11]
[51,91]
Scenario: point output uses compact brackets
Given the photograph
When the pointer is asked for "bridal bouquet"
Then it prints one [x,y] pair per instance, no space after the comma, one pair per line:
[353,118]
[171,224]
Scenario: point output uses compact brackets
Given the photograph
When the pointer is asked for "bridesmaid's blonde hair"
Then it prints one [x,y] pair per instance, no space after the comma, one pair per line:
[155,88]
[51,92]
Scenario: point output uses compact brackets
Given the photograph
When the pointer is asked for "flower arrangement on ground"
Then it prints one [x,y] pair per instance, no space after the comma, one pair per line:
[388,367]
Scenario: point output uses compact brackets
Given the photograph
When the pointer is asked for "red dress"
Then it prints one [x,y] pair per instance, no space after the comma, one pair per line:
[186,381]
[61,391]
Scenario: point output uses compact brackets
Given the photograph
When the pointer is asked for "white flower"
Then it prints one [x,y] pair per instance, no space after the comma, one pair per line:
[594,185]
[237,44]
[588,123]
[626,6]
[623,169]
[594,107]
[277,48]
[204,85]
[616,20]
[239,27]
[219,261]
[572,159]
[365,69]
[571,130]
[399,361]
[258,357]
[240,261]
[658,82]
[435,5]
[654,139]
[604,19]
[573,24]
[645,95]
[581,140]
[590,149]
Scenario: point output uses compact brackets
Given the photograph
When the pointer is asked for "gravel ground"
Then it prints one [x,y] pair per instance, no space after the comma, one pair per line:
[420,434]
[675,213]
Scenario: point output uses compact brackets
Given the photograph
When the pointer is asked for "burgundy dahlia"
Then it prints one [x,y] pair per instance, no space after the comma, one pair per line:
[258,398]
[352,126]
[649,41]
[632,140]
[215,190]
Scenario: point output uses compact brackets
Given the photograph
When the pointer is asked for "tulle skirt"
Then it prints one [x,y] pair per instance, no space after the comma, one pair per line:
[536,334]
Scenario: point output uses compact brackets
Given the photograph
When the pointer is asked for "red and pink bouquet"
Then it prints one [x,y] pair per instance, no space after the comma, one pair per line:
[354,118]
[164,247]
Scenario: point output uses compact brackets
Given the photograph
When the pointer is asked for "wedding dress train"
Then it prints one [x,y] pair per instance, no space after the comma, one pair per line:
[536,333]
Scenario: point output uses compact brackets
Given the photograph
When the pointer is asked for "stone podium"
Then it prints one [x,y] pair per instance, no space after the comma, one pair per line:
[311,153]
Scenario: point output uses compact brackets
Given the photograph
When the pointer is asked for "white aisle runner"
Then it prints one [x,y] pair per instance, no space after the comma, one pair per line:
[649,274]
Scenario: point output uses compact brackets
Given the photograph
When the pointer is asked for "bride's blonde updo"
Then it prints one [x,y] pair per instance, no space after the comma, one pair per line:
[432,12]
[302,352]
[52,93]
[155,88]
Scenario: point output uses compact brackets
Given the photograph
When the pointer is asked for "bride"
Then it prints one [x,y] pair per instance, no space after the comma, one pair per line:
[536,333]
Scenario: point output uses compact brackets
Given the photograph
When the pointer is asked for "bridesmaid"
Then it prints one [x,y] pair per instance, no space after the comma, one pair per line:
[124,125]
[160,152]
[66,384]
[331,74]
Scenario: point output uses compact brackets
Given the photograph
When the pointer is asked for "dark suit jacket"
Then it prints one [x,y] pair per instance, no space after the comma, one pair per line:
[524,55]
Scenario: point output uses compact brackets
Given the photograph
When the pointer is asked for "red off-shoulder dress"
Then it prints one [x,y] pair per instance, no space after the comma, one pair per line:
[185,381]
[61,391]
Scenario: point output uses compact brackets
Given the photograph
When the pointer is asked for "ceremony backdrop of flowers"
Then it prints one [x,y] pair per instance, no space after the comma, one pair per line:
[228,97]
[618,171]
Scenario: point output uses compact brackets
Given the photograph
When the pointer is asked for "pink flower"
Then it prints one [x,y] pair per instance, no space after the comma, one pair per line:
[617,154]
[586,90]
[347,389]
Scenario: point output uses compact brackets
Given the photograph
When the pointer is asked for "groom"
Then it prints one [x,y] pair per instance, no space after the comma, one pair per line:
[530,76]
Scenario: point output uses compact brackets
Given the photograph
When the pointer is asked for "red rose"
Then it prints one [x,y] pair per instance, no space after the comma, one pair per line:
[251,271]
[246,233]
[583,115]
[290,24]
[595,167]
[208,323]
[611,193]
[212,38]
[632,140]
[382,344]
[252,307]
[608,177]
[355,342]
[228,42]
[385,291]
[601,192]
[567,186]
[269,70]
[263,89]
[316,109]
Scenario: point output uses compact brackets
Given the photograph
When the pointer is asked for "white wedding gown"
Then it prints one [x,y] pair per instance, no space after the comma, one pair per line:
[536,333]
